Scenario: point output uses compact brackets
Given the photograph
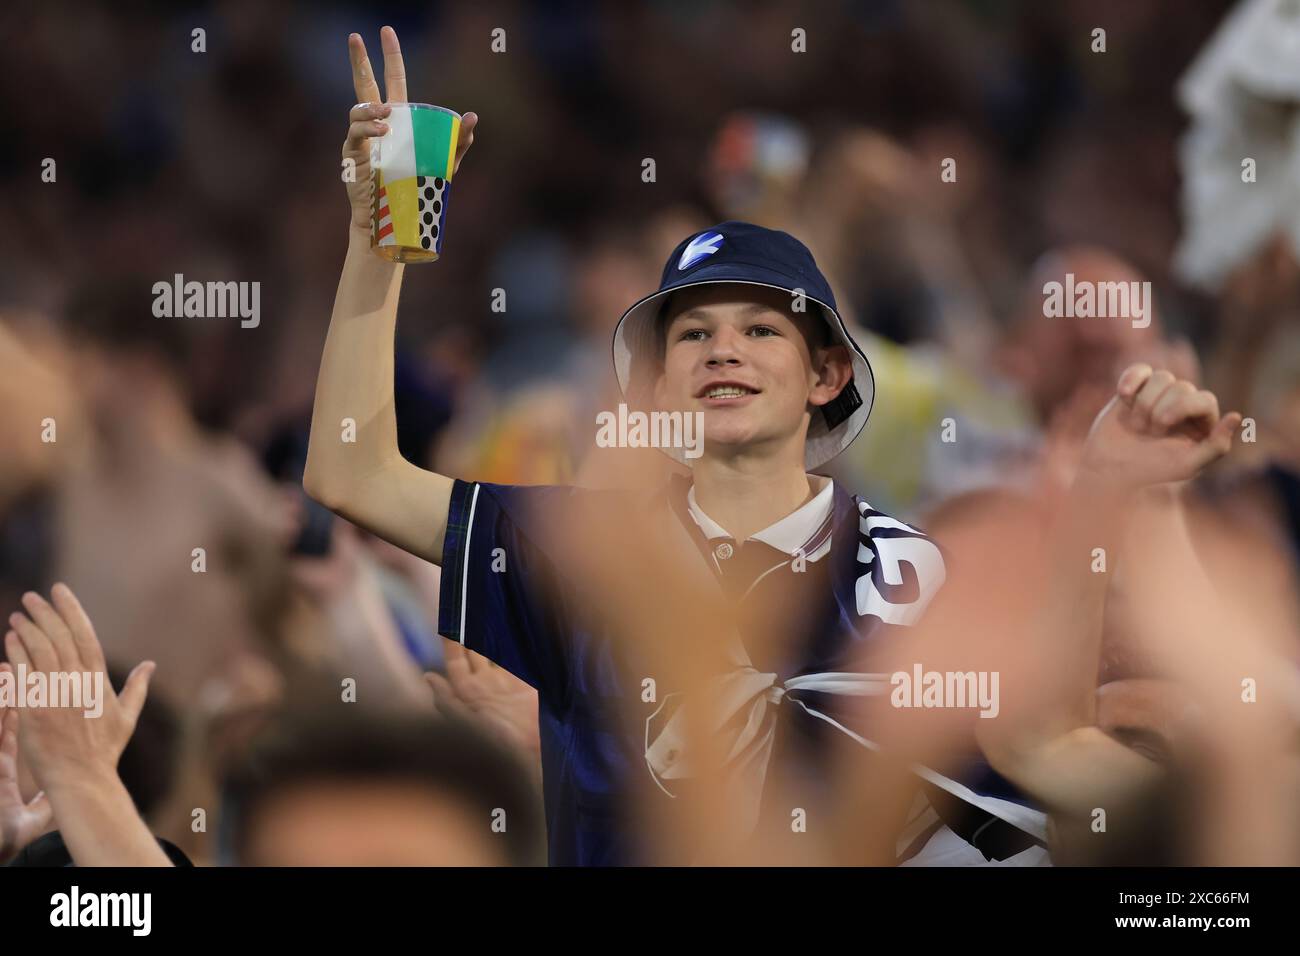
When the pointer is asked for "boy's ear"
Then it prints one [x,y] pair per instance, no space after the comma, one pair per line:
[833,367]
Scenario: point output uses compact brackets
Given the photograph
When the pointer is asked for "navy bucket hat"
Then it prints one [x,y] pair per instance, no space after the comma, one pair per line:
[741,253]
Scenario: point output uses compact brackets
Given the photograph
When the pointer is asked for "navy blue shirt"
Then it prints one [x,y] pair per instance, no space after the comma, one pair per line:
[506,594]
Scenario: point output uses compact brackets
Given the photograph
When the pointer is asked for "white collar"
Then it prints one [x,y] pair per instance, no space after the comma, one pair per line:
[806,529]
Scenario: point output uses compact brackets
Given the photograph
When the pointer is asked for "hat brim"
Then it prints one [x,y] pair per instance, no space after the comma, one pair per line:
[635,336]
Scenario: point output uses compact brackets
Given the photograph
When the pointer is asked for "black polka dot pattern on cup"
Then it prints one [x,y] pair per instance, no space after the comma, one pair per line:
[431,194]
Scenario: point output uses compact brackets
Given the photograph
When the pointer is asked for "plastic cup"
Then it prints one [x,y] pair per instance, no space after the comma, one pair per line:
[410,181]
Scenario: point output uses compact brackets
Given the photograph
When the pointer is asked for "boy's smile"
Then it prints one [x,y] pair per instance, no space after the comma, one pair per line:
[725,392]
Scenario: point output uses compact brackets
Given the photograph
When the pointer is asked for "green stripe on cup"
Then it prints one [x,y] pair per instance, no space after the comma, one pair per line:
[431,130]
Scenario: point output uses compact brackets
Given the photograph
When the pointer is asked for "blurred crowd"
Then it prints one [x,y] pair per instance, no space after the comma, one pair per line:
[171,501]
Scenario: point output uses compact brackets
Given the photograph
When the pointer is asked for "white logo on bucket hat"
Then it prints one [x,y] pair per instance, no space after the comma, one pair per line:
[705,244]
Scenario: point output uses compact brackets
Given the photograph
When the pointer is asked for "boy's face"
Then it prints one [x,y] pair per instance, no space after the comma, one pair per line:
[750,362]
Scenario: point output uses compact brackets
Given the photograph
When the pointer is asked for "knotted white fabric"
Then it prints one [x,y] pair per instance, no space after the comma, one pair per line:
[753,697]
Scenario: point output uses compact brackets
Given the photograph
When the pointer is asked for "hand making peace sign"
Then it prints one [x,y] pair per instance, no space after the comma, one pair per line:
[367,117]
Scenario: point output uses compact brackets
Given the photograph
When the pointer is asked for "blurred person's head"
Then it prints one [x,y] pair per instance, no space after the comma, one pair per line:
[124,355]
[362,788]
[1053,357]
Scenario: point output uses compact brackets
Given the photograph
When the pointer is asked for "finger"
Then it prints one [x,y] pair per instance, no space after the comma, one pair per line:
[394,69]
[40,652]
[366,119]
[1225,430]
[362,130]
[9,734]
[1148,395]
[86,645]
[363,76]
[8,744]
[15,651]
[443,692]
[136,690]
[1132,379]
[445,698]
[465,139]
[1182,407]
[368,111]
[1219,442]
[54,627]
[437,683]
[1200,414]
[456,662]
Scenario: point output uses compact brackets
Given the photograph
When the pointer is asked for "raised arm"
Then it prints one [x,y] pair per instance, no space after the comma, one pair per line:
[367,481]
[1156,430]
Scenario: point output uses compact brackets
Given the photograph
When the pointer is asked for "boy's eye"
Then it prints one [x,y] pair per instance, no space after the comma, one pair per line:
[698,335]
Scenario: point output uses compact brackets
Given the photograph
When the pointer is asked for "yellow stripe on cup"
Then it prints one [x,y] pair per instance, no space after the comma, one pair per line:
[451,147]
[403,204]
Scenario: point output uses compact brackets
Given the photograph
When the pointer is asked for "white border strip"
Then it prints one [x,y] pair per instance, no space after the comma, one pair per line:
[464,571]
[1033,822]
